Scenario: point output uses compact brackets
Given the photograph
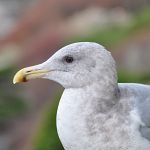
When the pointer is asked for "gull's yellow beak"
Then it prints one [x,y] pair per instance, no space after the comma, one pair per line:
[29,73]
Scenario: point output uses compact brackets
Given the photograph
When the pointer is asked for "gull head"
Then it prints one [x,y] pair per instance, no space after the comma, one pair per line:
[73,66]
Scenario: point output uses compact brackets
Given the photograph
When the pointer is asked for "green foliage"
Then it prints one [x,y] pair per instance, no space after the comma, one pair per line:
[46,137]
[109,36]
[142,18]
[126,77]
[11,105]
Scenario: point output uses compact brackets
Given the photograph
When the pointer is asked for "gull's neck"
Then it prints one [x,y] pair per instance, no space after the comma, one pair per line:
[100,95]
[103,92]
[104,95]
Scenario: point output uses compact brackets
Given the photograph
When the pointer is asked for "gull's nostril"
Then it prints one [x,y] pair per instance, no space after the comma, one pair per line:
[28,71]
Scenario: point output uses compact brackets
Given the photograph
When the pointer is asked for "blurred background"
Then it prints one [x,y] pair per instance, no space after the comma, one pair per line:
[32,30]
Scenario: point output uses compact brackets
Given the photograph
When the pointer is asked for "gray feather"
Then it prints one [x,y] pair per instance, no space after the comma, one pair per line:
[141,94]
[145,132]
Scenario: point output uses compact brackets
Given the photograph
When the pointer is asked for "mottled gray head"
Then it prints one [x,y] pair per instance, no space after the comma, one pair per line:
[73,66]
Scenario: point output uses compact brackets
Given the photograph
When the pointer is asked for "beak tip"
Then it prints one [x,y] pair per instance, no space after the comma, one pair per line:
[18,77]
[14,82]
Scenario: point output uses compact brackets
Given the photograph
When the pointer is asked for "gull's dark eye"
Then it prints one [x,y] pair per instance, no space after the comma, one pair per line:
[68,59]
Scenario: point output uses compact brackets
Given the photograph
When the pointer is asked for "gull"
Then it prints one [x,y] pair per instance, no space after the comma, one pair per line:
[95,112]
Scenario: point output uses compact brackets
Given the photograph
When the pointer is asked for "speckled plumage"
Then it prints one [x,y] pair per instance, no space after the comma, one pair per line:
[95,112]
